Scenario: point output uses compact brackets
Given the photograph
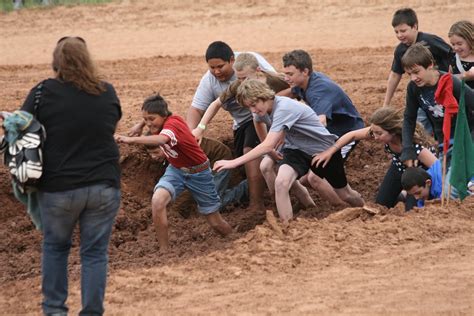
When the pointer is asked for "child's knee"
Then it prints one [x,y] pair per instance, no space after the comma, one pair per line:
[282,184]
[160,200]
[266,165]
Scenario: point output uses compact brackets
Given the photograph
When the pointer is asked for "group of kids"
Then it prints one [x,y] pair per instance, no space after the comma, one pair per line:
[291,146]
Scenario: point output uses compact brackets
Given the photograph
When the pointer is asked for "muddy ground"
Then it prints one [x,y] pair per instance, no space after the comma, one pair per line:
[347,262]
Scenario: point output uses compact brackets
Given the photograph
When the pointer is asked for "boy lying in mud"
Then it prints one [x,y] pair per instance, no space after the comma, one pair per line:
[188,168]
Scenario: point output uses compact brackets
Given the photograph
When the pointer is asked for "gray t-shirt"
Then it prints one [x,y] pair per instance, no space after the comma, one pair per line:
[210,88]
[239,113]
[302,127]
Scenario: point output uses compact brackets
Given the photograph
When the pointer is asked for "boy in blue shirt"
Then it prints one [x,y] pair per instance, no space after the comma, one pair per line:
[327,99]
[423,184]
[428,184]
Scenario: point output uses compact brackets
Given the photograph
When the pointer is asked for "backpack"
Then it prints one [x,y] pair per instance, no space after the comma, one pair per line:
[23,144]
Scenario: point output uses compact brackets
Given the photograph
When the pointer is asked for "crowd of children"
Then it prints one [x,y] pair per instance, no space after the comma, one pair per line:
[292,131]
[295,130]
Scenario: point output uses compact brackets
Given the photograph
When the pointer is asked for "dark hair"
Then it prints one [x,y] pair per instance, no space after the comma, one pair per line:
[417,54]
[414,176]
[219,50]
[405,16]
[155,104]
[72,63]
[298,58]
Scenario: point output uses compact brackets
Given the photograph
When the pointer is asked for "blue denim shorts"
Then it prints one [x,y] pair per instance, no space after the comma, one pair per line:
[200,185]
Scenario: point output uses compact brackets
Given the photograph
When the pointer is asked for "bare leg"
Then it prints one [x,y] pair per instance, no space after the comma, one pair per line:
[160,200]
[284,180]
[324,189]
[256,183]
[268,169]
[302,194]
[219,224]
[350,196]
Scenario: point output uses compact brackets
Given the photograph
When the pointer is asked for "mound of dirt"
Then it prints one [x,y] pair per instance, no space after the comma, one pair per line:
[355,261]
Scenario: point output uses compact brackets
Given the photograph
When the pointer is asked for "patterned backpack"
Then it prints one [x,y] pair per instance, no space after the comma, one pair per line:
[22,143]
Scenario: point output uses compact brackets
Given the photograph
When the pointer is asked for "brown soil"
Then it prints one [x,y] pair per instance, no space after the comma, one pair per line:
[347,262]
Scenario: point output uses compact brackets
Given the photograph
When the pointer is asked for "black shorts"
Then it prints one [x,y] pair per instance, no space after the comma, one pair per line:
[245,136]
[296,159]
[333,172]
[301,162]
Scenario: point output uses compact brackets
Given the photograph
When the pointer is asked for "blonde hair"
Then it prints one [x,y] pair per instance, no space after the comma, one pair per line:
[72,63]
[465,30]
[254,90]
[274,81]
[391,120]
[245,60]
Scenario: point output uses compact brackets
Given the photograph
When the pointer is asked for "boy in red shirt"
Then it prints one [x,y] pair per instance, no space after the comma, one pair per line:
[188,168]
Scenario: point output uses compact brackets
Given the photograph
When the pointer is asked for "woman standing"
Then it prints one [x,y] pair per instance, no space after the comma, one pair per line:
[81,174]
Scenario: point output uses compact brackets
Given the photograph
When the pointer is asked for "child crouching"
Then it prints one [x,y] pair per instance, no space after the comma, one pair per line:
[188,168]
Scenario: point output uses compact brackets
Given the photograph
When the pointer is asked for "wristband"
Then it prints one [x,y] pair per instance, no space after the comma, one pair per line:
[337,147]
[202,126]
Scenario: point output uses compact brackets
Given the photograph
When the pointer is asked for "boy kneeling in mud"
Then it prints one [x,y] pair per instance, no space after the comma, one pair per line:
[298,126]
[188,168]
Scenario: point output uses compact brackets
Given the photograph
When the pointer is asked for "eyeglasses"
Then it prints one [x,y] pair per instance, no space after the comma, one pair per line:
[66,37]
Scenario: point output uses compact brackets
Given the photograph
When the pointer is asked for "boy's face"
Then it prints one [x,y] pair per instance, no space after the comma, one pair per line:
[259,107]
[246,73]
[421,193]
[221,69]
[460,46]
[153,121]
[420,75]
[296,77]
[406,34]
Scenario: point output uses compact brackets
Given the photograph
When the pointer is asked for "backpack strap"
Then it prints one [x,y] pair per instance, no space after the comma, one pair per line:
[459,64]
[37,100]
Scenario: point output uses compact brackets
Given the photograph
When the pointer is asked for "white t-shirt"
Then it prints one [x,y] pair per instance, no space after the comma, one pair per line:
[210,88]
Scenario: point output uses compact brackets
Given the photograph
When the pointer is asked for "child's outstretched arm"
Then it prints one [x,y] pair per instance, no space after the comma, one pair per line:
[211,111]
[272,139]
[392,84]
[325,156]
[143,140]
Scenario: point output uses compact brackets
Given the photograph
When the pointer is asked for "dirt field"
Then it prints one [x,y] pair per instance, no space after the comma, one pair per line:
[348,262]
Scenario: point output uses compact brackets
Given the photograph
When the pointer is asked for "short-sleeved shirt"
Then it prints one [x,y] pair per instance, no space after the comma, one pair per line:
[181,149]
[301,125]
[210,88]
[440,50]
[465,65]
[327,98]
[241,114]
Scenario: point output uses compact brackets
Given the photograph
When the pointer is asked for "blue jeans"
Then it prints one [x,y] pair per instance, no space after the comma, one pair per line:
[201,186]
[423,119]
[236,194]
[95,208]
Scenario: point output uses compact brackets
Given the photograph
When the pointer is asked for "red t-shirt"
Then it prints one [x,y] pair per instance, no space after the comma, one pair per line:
[182,149]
